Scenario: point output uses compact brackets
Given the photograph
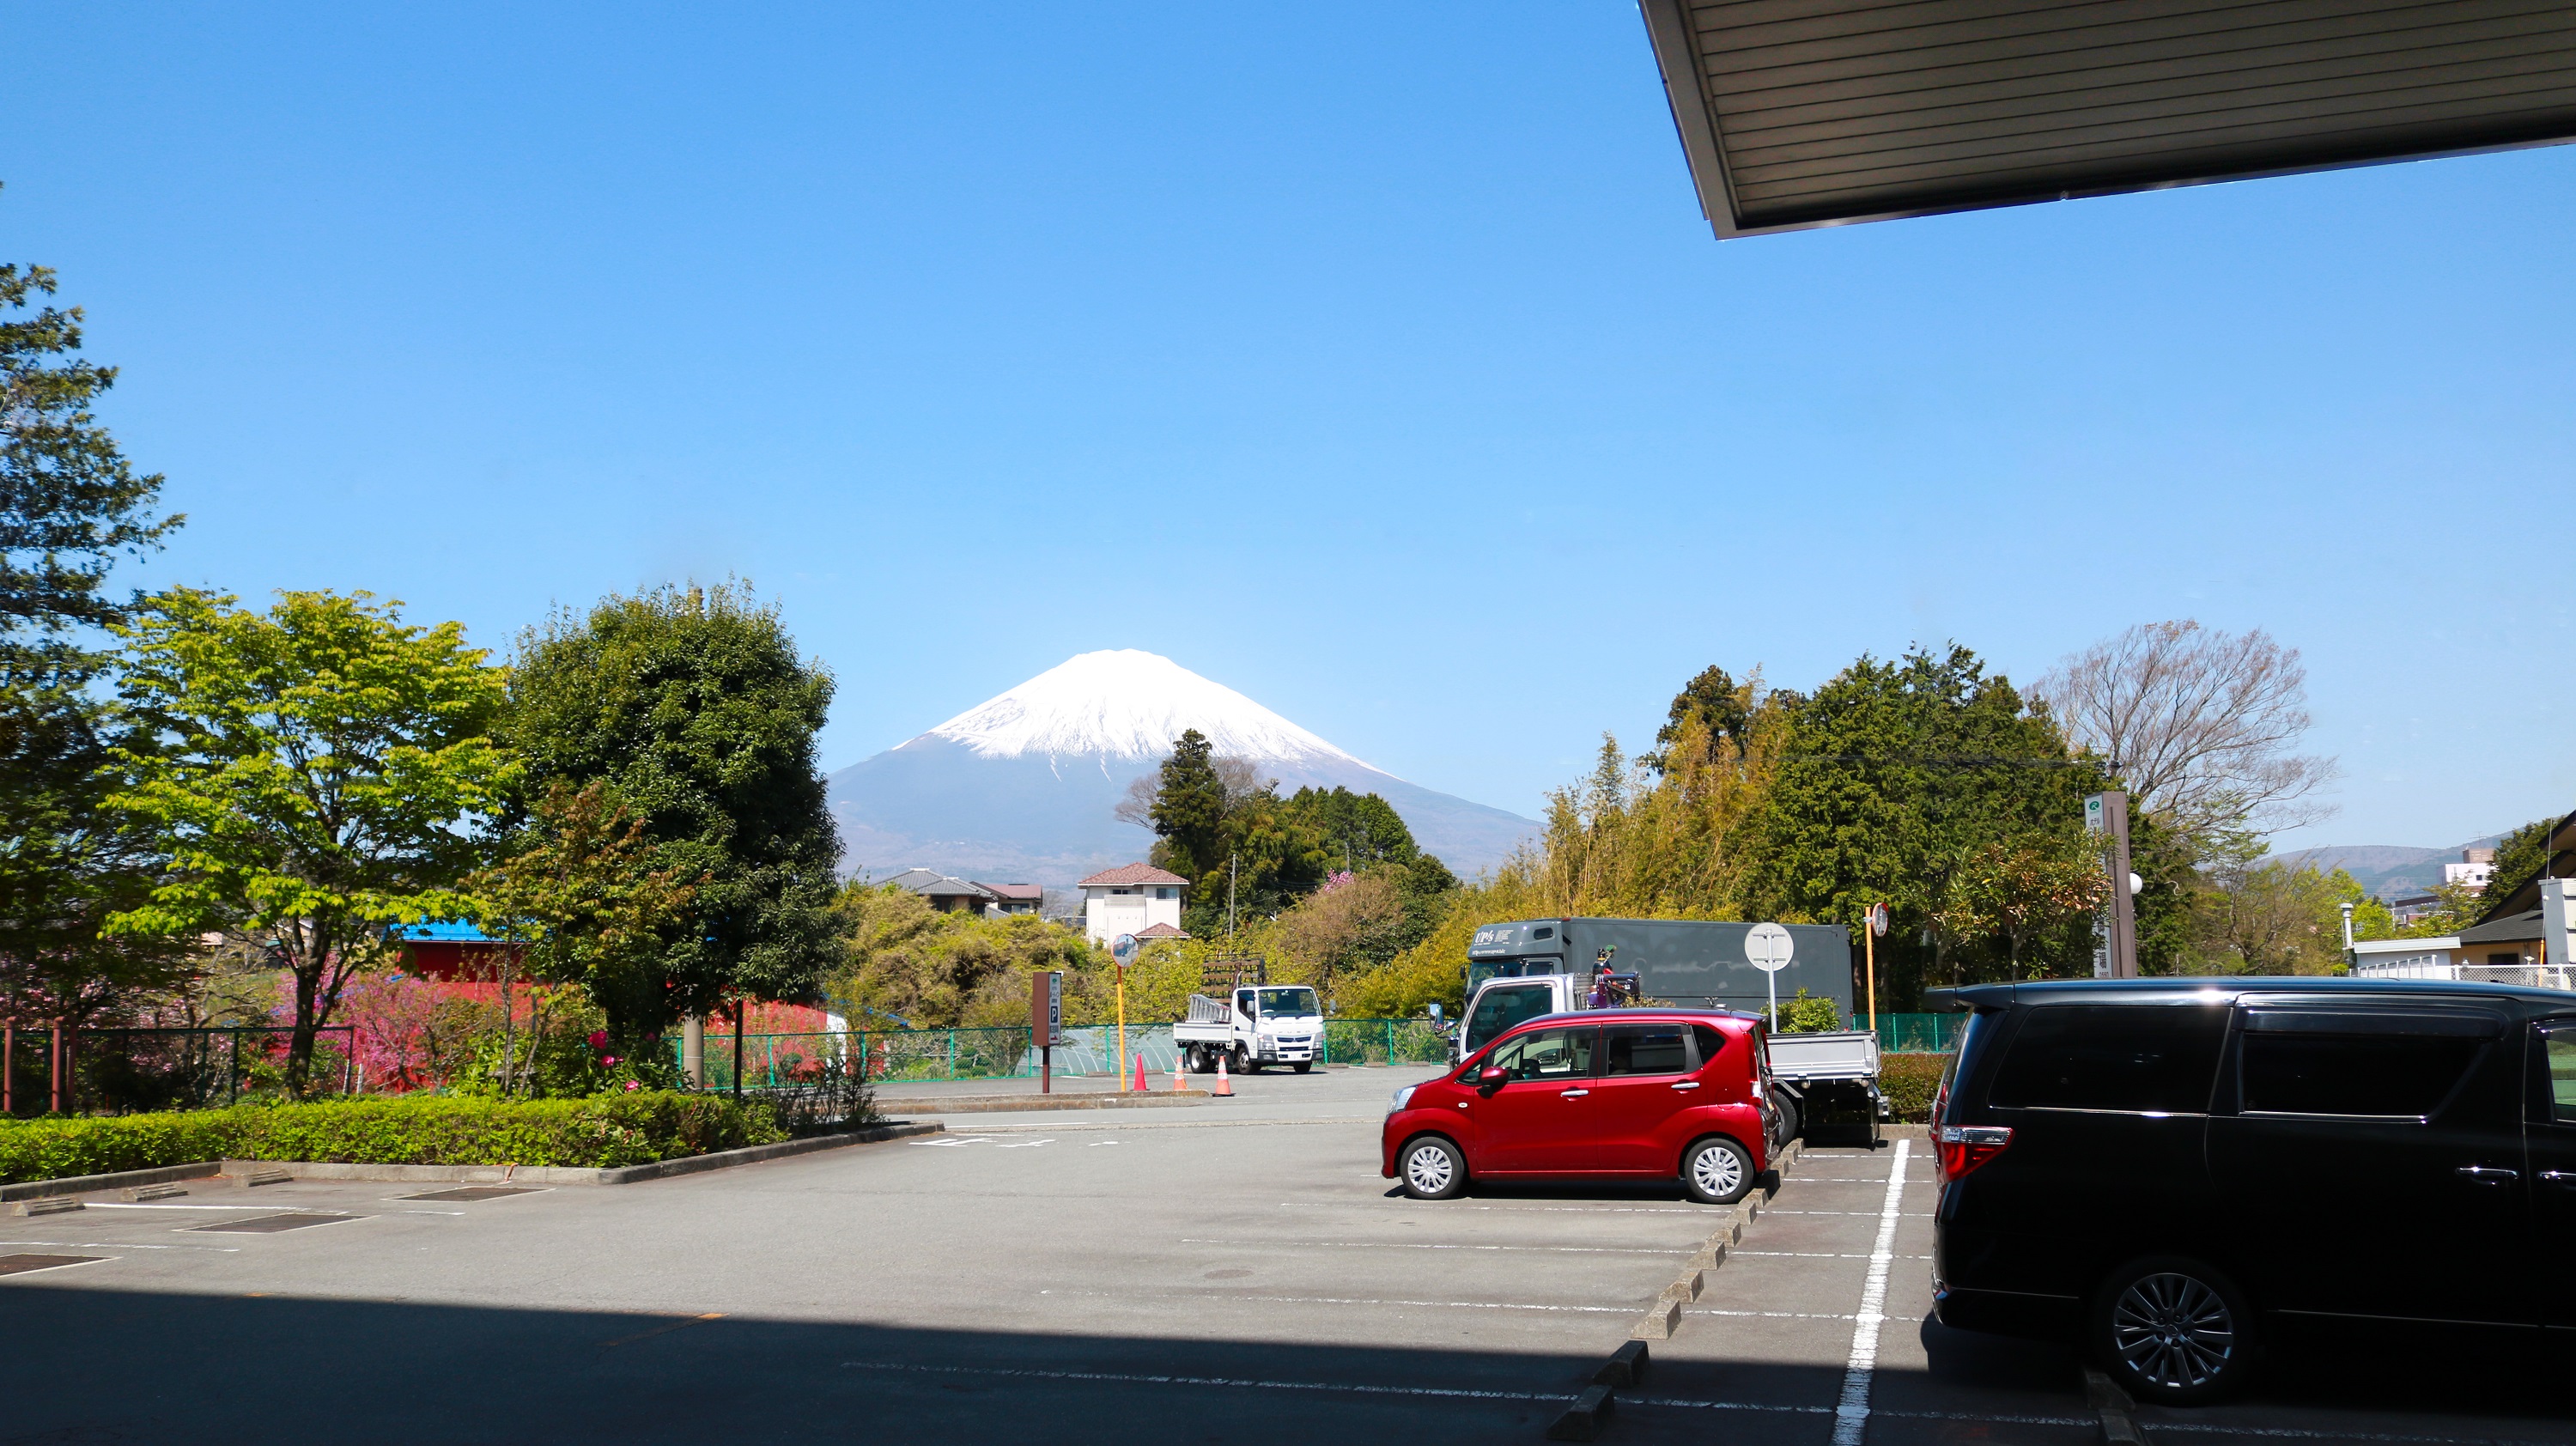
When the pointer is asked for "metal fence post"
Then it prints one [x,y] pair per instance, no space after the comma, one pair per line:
[952,1054]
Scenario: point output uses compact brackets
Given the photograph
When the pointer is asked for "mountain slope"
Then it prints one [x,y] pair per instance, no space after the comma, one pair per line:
[1020,788]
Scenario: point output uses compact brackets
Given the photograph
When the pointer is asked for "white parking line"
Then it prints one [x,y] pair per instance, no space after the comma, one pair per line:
[1851,1413]
[1629,1309]
[1794,1314]
[123,1245]
[1411,1245]
[1815,1255]
[1119,1378]
[1451,1206]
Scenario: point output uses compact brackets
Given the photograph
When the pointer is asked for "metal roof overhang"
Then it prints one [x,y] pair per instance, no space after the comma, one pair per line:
[1804,113]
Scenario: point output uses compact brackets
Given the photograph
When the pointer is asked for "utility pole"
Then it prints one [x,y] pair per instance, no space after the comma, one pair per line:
[1229,904]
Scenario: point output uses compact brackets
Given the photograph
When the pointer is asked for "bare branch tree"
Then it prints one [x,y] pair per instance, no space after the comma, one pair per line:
[2202,724]
[1138,806]
[1240,778]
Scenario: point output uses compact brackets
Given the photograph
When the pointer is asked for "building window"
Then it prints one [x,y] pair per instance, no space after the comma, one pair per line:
[1162,893]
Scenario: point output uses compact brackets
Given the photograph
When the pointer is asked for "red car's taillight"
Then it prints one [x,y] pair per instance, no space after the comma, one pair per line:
[1965,1147]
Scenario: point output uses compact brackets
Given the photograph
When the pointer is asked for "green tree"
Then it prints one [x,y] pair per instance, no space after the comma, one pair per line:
[314,776]
[1189,810]
[693,709]
[69,500]
[1892,778]
[2520,857]
[910,966]
[1358,830]
[1721,707]
[582,897]
[70,504]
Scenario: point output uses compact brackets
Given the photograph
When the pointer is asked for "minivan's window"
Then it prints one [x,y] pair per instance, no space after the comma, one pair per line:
[1503,1006]
[2145,1058]
[2298,1073]
[1644,1049]
[2561,1055]
[1547,1054]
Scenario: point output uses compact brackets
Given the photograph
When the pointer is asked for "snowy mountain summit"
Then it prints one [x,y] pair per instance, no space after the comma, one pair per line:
[1020,787]
[1128,704]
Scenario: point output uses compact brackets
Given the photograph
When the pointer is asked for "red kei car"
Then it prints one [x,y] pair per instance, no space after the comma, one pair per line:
[1608,1094]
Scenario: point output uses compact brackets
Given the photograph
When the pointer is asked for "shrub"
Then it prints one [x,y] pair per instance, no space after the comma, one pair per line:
[1806,1014]
[1909,1081]
[600,1133]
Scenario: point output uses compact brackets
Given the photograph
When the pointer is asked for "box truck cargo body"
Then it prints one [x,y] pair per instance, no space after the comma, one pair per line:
[1690,963]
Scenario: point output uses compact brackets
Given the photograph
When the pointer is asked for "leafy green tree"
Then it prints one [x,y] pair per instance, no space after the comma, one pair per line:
[1892,778]
[1359,830]
[314,776]
[70,504]
[2520,857]
[583,900]
[909,966]
[1723,709]
[1189,810]
[69,500]
[692,708]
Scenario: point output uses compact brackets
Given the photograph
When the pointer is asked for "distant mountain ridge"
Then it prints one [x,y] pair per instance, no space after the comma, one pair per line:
[1020,787]
[2386,869]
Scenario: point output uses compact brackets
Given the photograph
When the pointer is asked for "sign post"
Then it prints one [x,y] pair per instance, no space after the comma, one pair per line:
[1046,1021]
[1122,949]
[1768,949]
[1869,938]
[2115,952]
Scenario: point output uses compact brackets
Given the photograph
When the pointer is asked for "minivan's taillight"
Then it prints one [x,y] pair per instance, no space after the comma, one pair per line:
[1965,1147]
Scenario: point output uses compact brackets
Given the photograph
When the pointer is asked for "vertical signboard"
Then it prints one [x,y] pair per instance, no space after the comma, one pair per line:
[2115,924]
[1046,1023]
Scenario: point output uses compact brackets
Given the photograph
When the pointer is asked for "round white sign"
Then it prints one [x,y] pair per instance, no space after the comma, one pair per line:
[1878,920]
[1768,948]
[1123,948]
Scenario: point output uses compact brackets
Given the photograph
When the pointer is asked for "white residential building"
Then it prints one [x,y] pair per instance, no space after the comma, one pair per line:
[1132,899]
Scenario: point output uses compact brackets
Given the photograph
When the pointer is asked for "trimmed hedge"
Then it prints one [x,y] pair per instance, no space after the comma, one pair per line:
[1910,1081]
[603,1132]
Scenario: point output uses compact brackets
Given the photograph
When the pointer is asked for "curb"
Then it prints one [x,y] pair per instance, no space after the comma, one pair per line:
[1584,1419]
[252,1170]
[1014,1104]
[1659,1323]
[2118,1412]
[114,1180]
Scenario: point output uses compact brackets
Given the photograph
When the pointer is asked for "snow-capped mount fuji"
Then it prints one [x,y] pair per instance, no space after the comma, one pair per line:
[1020,788]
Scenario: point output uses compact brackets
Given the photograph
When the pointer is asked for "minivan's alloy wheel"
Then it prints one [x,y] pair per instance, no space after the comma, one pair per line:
[2175,1331]
[1432,1169]
[1717,1172]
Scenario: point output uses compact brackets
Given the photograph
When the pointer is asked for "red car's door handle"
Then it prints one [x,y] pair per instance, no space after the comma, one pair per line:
[1688,1084]
[1573,1094]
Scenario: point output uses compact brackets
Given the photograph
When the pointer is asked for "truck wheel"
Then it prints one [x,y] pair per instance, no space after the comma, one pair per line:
[2173,1331]
[1791,1117]
[1301,1067]
[1431,1168]
[1717,1171]
[1244,1063]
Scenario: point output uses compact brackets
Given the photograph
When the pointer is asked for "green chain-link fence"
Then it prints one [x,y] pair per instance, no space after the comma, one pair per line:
[772,1061]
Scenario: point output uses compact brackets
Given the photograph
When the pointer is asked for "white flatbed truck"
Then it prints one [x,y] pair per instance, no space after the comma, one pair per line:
[1257,1025]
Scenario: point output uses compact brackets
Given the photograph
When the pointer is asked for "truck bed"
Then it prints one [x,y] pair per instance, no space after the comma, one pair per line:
[1842,1054]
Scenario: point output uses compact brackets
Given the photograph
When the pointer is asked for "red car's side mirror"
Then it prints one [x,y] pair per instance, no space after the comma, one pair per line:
[1492,1078]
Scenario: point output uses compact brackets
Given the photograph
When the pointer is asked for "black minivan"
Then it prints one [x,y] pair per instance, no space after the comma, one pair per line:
[2164,1169]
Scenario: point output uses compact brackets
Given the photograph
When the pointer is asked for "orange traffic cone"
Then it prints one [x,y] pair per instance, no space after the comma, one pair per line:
[1180,1066]
[1223,1090]
[1140,1073]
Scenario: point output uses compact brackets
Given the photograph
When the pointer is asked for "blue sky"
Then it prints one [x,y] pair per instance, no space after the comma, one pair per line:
[1376,363]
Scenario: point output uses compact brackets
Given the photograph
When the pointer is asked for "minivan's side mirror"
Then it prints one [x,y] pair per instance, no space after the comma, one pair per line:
[1491,1078]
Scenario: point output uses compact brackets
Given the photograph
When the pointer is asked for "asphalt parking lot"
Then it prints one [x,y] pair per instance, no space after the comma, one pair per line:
[1194,1273]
